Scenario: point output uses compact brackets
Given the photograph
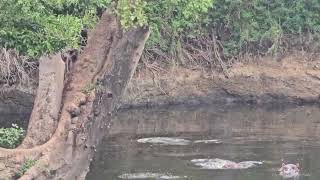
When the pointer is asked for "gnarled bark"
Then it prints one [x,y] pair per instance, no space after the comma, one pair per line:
[44,117]
[96,83]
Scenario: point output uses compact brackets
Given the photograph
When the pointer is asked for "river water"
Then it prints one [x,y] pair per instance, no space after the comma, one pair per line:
[268,135]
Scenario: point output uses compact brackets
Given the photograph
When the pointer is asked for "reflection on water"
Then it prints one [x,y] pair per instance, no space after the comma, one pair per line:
[247,134]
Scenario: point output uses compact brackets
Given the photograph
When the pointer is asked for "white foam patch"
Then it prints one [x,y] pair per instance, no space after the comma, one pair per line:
[148,175]
[224,164]
[209,141]
[165,141]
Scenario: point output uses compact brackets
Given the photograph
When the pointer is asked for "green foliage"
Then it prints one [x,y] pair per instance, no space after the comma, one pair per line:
[37,27]
[259,24]
[241,26]
[169,19]
[131,14]
[11,137]
[25,167]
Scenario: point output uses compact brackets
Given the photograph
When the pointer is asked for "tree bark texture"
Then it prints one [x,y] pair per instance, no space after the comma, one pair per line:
[92,93]
[45,114]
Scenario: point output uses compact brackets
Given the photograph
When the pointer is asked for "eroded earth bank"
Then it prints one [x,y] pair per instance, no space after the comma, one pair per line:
[293,80]
[261,81]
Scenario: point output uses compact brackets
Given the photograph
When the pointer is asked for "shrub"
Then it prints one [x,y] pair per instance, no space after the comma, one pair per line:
[263,26]
[36,27]
[11,137]
[238,26]
[25,167]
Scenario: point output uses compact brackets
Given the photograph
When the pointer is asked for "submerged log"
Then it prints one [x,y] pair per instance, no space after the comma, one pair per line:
[95,86]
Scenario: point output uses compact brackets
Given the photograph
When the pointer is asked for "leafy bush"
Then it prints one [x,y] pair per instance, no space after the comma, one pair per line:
[131,14]
[25,167]
[11,137]
[36,27]
[263,26]
[170,19]
[239,26]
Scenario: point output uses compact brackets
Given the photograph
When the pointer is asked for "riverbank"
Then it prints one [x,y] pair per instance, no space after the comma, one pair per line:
[290,80]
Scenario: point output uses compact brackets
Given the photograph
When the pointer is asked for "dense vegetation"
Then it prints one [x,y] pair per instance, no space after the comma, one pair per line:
[36,27]
[11,137]
[193,30]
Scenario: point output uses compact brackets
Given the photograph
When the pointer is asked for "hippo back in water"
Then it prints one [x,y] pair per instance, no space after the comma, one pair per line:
[290,171]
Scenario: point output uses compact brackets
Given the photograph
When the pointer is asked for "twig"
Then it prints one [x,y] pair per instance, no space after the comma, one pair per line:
[15,68]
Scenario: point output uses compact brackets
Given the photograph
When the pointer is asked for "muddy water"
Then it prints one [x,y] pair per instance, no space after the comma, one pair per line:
[247,133]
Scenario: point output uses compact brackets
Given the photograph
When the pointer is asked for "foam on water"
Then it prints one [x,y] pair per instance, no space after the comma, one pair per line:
[147,175]
[224,164]
[209,141]
[165,141]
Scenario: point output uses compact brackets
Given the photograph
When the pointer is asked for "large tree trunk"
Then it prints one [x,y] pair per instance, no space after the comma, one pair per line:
[45,114]
[95,86]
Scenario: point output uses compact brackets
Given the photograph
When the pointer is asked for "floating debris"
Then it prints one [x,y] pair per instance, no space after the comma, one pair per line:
[224,164]
[209,141]
[148,175]
[165,141]
[289,171]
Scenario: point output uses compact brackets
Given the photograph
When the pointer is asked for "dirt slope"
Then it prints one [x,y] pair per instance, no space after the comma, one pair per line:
[292,80]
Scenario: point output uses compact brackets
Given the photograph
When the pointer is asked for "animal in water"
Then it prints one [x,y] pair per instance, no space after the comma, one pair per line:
[69,58]
[290,171]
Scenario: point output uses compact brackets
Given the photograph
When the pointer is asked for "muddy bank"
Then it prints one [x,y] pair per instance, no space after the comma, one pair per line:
[221,121]
[17,96]
[264,81]
[293,80]
[16,104]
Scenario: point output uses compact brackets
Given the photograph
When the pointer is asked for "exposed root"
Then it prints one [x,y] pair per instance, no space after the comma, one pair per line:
[203,52]
[15,69]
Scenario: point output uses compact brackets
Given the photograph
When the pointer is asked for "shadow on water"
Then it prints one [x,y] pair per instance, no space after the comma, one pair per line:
[266,134]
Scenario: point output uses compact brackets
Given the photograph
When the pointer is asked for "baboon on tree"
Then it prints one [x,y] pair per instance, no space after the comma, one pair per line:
[69,58]
[83,37]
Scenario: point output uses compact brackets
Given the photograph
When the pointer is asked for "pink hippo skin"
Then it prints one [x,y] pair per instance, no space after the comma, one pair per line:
[231,165]
[289,171]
